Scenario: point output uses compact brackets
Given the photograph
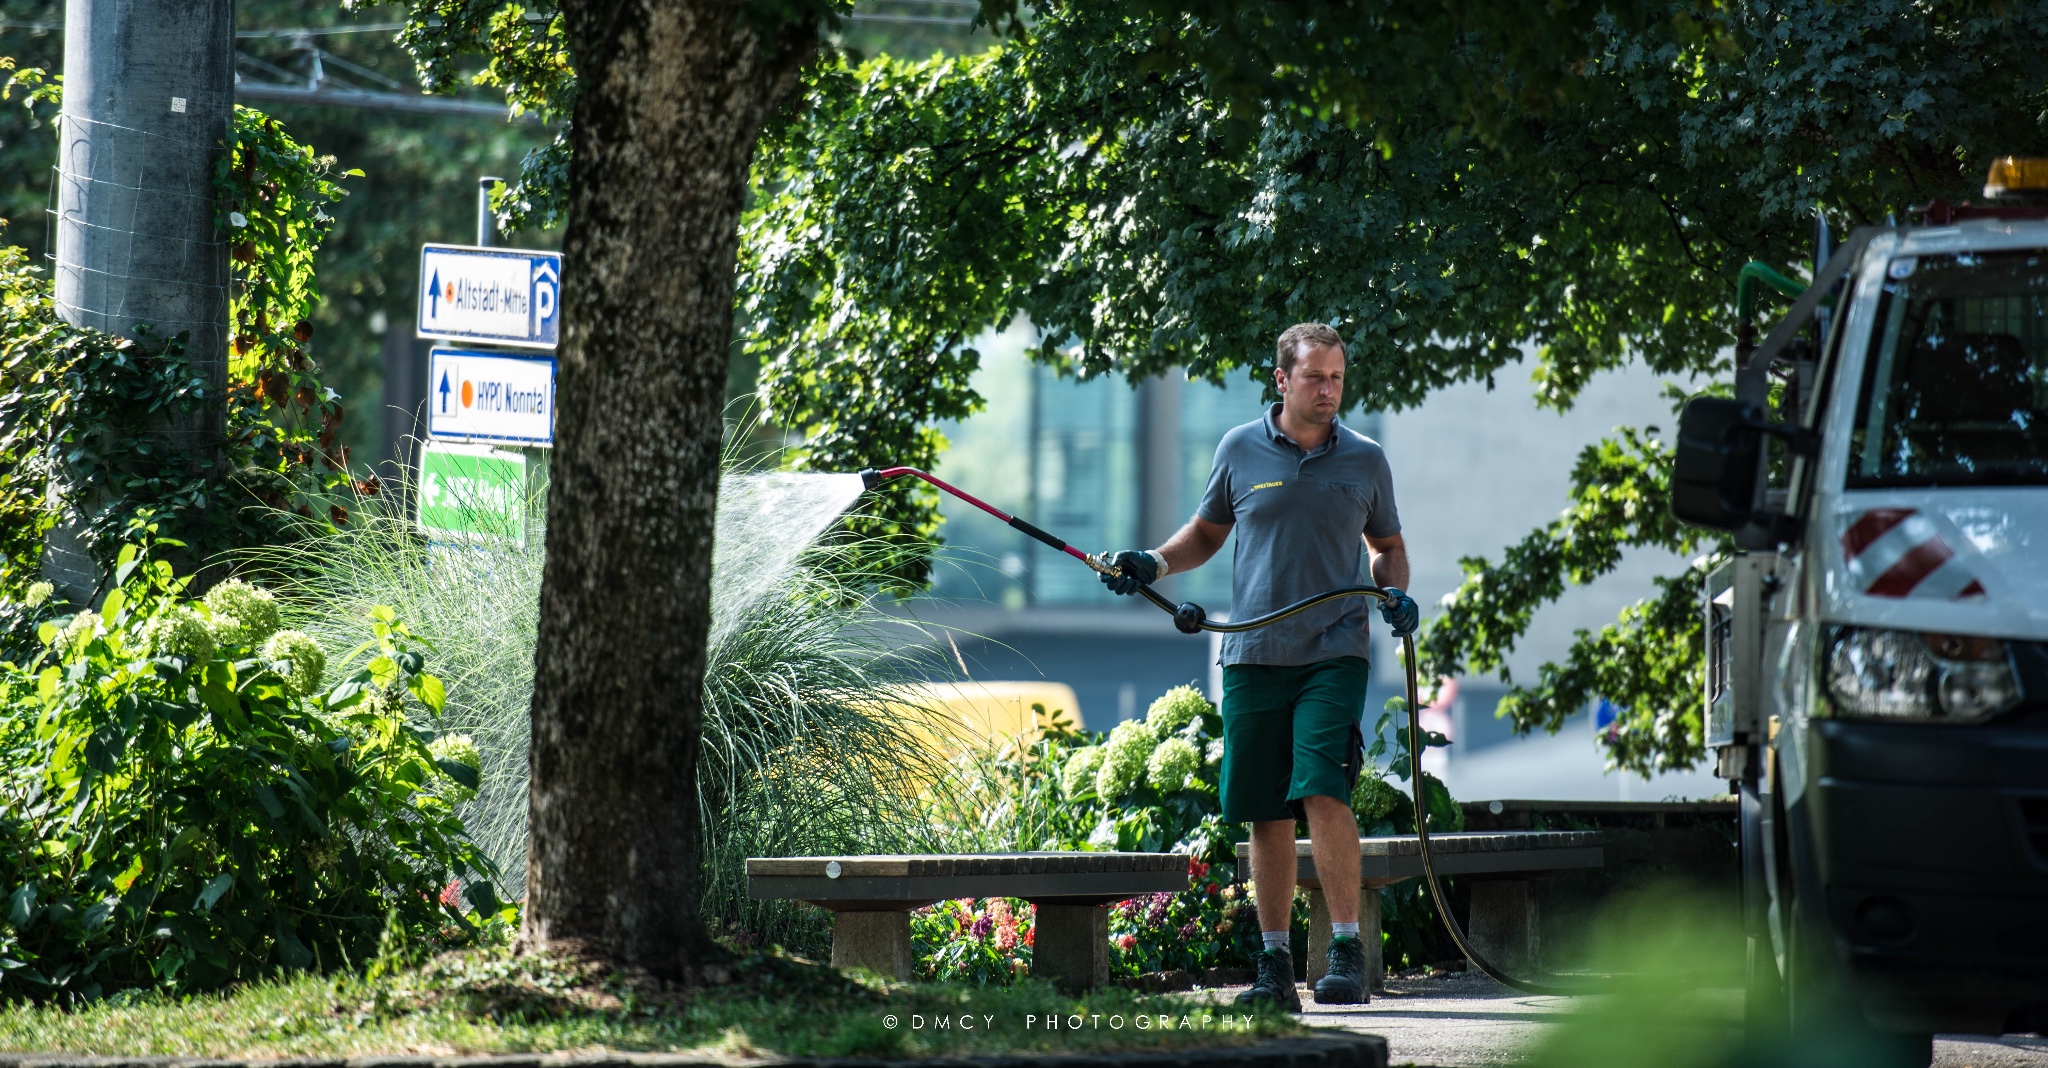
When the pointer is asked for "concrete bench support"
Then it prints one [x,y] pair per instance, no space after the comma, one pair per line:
[871,899]
[1504,928]
[1071,946]
[1368,932]
[1498,865]
[877,941]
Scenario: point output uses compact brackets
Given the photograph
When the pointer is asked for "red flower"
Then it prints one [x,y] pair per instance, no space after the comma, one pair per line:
[451,895]
[1197,869]
[1127,942]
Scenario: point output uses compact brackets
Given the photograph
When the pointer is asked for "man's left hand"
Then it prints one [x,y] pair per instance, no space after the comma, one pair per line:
[1400,612]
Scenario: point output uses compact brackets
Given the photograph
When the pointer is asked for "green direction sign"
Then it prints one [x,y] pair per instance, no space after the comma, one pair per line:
[472,491]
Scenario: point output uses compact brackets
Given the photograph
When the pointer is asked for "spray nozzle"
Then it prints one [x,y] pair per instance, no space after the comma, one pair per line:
[870,478]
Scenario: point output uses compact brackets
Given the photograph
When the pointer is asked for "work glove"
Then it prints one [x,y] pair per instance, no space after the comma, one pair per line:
[1133,566]
[1400,612]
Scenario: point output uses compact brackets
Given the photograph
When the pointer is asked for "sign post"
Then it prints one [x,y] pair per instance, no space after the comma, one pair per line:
[489,413]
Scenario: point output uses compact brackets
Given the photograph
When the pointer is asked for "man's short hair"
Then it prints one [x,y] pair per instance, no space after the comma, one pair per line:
[1316,335]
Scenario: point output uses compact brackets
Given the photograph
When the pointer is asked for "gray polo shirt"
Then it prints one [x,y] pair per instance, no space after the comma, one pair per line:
[1298,517]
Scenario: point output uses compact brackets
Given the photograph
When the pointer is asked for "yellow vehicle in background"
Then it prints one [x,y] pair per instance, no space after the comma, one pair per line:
[956,718]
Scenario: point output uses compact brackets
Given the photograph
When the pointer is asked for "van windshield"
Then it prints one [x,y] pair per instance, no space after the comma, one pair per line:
[1955,392]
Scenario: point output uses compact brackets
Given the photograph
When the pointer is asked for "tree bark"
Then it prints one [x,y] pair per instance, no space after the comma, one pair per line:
[672,96]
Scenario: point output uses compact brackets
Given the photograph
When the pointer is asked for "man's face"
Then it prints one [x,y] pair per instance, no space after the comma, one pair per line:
[1313,389]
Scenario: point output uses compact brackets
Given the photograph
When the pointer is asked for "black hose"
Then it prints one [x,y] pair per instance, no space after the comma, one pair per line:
[1191,618]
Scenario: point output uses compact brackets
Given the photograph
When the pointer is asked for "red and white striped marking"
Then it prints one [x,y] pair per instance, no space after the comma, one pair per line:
[1897,552]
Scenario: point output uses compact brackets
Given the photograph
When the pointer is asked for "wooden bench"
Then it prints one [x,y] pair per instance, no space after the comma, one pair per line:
[871,898]
[1499,866]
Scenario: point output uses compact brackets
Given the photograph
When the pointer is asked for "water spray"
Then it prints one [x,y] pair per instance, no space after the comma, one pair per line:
[1190,618]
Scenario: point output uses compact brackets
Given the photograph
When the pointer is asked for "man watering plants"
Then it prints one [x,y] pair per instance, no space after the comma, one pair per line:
[1300,490]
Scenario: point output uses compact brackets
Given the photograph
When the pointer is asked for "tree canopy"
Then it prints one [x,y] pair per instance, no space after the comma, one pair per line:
[1451,200]
[1458,189]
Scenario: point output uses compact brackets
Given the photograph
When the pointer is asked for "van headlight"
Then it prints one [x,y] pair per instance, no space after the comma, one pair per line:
[1903,674]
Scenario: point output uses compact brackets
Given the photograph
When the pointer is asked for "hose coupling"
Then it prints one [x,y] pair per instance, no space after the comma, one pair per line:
[870,478]
[1100,562]
[1188,617]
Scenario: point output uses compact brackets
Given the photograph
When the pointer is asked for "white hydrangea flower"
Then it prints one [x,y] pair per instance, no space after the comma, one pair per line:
[298,659]
[77,634]
[39,593]
[178,631]
[1176,708]
[242,614]
[1123,760]
[1079,771]
[1173,763]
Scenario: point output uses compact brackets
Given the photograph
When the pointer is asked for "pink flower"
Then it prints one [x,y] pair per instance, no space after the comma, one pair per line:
[451,895]
[999,910]
[1006,937]
[1127,942]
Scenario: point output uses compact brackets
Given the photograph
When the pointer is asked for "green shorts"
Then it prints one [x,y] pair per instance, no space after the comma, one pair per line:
[1288,733]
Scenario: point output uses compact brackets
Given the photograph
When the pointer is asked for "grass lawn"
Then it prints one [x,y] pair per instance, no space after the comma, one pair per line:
[492,1002]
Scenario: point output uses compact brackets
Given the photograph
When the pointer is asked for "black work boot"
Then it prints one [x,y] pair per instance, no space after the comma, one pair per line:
[1275,985]
[1346,982]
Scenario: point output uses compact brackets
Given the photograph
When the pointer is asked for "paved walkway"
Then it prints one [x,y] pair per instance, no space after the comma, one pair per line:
[1469,1021]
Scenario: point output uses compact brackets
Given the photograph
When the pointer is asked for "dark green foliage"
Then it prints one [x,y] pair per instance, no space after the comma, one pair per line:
[175,814]
[1163,188]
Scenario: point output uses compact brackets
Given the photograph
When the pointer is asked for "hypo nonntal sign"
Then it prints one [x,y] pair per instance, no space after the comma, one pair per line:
[490,396]
[503,296]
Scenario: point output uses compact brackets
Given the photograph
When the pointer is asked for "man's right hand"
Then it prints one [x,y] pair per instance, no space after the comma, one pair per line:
[1133,567]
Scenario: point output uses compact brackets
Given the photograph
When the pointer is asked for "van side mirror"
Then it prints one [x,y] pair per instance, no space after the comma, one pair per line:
[1720,451]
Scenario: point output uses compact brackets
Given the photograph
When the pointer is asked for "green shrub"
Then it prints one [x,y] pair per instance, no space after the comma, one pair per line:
[177,812]
[808,744]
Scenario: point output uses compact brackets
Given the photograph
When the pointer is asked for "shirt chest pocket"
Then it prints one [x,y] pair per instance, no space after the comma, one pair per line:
[1348,497]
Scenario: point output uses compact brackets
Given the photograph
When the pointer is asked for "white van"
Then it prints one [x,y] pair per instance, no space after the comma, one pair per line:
[1877,688]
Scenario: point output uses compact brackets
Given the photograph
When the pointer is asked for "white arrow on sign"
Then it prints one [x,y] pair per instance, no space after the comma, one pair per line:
[504,295]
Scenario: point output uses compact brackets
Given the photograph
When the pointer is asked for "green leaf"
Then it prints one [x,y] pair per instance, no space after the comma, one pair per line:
[429,690]
[463,774]
[383,671]
[267,797]
[21,906]
[347,693]
[211,894]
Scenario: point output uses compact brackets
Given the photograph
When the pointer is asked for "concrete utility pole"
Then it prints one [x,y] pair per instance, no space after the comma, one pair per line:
[149,93]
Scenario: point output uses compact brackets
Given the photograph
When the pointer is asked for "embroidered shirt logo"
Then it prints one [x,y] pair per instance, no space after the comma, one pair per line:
[1267,485]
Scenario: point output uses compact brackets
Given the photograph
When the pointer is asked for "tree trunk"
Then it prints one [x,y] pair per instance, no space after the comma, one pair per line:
[672,95]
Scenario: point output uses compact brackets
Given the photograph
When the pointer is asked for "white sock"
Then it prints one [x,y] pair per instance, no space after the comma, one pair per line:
[1275,940]
[1343,930]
